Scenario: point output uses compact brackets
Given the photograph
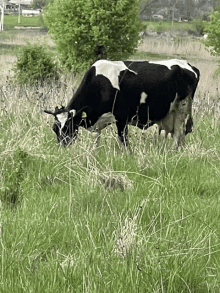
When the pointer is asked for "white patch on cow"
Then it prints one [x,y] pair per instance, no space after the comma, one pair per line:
[111,70]
[62,118]
[169,63]
[103,121]
[143,98]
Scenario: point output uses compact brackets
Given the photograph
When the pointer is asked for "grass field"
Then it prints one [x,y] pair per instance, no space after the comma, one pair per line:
[86,219]
[169,26]
[10,21]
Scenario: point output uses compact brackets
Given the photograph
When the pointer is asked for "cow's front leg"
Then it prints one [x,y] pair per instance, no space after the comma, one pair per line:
[122,132]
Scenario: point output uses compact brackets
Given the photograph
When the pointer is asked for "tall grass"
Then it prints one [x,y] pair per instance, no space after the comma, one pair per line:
[169,26]
[180,47]
[87,219]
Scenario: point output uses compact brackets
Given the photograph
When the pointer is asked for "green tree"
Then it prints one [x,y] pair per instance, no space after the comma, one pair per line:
[143,6]
[83,29]
[38,4]
[213,30]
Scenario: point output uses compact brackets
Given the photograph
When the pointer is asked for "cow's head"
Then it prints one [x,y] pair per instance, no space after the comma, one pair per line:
[64,126]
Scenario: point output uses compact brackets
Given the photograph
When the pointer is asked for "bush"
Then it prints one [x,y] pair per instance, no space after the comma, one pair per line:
[161,27]
[85,31]
[34,64]
[199,25]
[213,30]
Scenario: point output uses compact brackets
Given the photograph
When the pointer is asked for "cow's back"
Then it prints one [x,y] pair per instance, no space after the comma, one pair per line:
[154,88]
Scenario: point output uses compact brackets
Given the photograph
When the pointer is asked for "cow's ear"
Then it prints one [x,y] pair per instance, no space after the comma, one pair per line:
[73,112]
[59,107]
[84,115]
[49,112]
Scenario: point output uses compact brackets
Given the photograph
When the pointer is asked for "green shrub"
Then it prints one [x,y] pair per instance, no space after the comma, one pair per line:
[198,25]
[161,27]
[35,64]
[213,30]
[86,30]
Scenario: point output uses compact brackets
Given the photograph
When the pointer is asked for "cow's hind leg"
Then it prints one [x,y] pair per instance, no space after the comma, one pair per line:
[189,120]
[122,132]
[180,124]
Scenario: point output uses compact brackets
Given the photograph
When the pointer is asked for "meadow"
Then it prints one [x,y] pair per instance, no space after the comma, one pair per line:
[10,21]
[87,219]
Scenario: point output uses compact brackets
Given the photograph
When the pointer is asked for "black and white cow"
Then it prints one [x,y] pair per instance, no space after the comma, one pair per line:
[131,92]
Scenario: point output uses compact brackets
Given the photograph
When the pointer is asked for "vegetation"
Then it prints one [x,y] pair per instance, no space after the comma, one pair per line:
[85,30]
[39,4]
[199,25]
[213,30]
[194,27]
[10,21]
[34,64]
[86,219]
[99,220]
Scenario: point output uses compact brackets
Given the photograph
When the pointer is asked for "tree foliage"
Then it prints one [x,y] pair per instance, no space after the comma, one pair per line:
[83,29]
[143,6]
[39,4]
[213,31]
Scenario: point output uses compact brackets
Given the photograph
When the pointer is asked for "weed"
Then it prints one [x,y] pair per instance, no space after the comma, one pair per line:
[199,26]
[13,174]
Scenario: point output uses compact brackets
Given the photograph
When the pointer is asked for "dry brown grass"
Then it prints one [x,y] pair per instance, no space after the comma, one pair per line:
[184,47]
[209,83]
[6,63]
[21,37]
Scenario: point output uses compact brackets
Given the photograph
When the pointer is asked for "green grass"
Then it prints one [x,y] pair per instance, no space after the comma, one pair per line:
[168,26]
[86,219]
[10,21]
[142,55]
[9,49]
[82,219]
